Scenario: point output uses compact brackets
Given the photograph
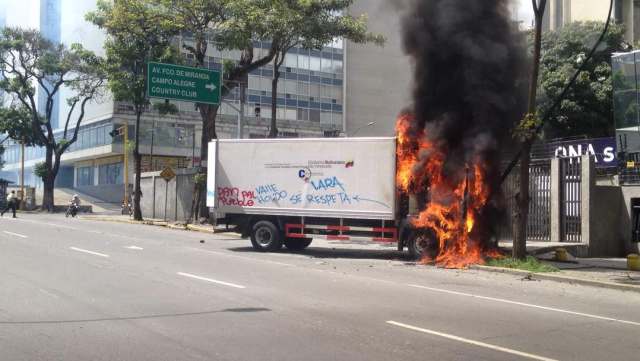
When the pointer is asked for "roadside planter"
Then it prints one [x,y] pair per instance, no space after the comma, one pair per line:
[633,262]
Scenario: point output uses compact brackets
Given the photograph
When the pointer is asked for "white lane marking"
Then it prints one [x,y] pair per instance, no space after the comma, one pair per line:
[471,342]
[210,280]
[252,259]
[46,224]
[89,252]
[134,247]
[15,234]
[502,300]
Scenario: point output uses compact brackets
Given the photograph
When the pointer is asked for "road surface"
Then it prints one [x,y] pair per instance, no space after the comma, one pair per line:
[86,290]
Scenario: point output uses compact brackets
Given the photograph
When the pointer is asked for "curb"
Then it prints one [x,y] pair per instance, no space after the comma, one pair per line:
[558,278]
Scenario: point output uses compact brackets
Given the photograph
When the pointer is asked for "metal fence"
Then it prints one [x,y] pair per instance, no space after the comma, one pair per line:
[539,219]
[570,200]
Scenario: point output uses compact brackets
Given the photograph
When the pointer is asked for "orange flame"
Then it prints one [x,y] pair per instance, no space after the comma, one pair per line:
[455,201]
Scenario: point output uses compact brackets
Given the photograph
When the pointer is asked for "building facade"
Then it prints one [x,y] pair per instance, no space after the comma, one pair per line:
[378,78]
[627,12]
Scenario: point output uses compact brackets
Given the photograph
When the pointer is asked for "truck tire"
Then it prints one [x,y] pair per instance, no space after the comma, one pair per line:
[297,244]
[266,237]
[422,244]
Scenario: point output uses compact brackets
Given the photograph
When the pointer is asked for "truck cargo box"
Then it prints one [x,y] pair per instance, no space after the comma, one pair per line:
[309,177]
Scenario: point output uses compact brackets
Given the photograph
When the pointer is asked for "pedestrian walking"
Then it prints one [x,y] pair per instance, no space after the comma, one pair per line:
[12,201]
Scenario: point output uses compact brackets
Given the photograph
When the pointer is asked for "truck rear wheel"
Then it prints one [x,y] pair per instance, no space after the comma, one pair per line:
[266,237]
[297,244]
[421,244]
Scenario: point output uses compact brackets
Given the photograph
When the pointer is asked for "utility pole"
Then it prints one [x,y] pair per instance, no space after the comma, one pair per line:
[243,91]
[153,132]
[22,174]
[125,153]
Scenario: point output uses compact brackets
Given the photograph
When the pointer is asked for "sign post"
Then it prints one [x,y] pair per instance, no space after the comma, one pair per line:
[183,83]
[167,174]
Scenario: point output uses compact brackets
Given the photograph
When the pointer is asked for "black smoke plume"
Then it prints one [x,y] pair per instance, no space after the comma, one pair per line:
[467,94]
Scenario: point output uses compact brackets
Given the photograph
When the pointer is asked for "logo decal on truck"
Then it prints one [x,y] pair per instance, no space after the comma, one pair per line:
[304,174]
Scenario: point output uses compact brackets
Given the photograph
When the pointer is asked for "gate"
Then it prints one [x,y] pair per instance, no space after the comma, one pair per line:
[539,220]
[570,200]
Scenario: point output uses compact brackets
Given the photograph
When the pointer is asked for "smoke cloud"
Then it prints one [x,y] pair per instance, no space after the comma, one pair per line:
[467,95]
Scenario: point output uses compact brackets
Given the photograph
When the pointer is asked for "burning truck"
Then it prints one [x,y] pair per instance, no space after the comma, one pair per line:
[287,192]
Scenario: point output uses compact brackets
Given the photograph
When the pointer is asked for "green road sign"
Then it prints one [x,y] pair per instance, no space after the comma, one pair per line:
[176,82]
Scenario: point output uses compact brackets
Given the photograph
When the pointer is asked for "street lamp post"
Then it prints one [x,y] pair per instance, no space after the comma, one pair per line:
[358,129]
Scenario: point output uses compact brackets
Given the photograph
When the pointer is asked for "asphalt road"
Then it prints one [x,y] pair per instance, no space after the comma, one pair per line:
[73,289]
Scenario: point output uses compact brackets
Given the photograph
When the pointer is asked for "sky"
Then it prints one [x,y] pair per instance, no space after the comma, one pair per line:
[523,11]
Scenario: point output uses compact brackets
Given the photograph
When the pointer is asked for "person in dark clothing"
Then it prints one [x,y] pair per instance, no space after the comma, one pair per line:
[12,203]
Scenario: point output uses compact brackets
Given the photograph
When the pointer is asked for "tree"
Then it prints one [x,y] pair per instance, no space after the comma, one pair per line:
[27,61]
[226,25]
[587,108]
[15,122]
[311,25]
[137,32]
[527,132]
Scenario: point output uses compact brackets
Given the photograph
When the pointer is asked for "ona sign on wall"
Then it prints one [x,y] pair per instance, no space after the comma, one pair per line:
[603,150]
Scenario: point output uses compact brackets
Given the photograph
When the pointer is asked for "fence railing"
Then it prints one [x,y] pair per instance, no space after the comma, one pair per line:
[539,219]
[570,200]
[566,188]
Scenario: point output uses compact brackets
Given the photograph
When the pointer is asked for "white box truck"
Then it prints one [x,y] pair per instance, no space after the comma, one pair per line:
[289,191]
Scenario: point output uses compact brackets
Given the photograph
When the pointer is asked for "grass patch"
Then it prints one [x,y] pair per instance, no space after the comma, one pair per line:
[530,264]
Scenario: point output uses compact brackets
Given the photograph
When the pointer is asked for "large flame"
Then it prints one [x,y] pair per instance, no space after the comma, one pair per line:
[455,200]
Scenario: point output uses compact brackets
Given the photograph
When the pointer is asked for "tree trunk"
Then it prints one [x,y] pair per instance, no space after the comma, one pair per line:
[521,216]
[273,131]
[137,157]
[209,114]
[522,198]
[47,197]
[48,182]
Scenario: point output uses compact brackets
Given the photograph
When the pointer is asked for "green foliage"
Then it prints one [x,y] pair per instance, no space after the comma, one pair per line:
[313,24]
[130,146]
[588,107]
[530,264]
[527,128]
[40,170]
[165,107]
[28,61]
[15,122]
[200,178]
[137,32]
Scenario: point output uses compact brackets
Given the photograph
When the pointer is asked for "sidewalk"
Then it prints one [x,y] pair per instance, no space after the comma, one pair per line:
[598,272]
[206,228]
[609,273]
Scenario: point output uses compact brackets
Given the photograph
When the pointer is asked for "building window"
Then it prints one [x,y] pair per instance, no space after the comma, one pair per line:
[314,63]
[84,176]
[314,115]
[110,173]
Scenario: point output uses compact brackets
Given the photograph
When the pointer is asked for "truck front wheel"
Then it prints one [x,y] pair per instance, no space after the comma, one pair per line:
[266,237]
[297,244]
[422,244]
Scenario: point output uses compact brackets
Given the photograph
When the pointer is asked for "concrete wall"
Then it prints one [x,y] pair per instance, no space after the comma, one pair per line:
[377,79]
[111,193]
[606,215]
[603,220]
[178,195]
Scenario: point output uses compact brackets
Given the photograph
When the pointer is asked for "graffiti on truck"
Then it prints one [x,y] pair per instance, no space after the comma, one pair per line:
[268,193]
[327,191]
[230,196]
